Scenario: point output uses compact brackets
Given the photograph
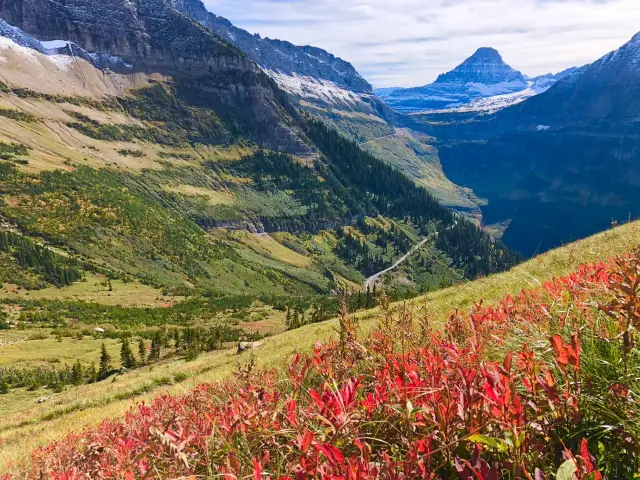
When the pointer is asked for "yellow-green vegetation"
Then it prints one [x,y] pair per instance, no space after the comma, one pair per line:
[32,351]
[95,288]
[31,425]
[267,246]
[213,197]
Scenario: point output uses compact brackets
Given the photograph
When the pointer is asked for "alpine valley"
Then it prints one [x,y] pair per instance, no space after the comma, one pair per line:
[182,202]
[140,144]
[560,165]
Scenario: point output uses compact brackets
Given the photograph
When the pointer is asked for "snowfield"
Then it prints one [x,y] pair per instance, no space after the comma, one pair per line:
[312,88]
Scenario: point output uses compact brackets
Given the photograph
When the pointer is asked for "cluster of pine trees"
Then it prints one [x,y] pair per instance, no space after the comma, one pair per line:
[395,195]
[186,342]
[355,251]
[473,251]
[300,314]
[54,268]
[53,378]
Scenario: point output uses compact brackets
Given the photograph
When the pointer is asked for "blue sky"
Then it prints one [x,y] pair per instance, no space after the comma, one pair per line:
[409,42]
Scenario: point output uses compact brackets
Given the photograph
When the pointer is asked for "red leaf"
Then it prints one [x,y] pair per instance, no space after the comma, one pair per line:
[257,470]
[560,350]
[508,361]
[333,454]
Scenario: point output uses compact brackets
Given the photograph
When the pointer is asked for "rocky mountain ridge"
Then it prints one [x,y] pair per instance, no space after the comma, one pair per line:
[152,37]
[604,94]
[279,56]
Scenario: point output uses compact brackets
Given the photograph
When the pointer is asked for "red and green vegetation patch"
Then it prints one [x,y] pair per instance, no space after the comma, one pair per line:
[406,402]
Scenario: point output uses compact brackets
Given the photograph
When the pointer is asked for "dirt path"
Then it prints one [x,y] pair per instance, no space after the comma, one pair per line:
[369,282]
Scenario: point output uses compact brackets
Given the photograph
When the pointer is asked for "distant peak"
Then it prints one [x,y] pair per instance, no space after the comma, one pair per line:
[636,38]
[487,52]
[485,66]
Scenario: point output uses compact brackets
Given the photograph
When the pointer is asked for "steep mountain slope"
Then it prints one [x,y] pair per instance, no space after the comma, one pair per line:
[484,74]
[277,56]
[138,173]
[560,165]
[152,37]
[331,89]
[604,94]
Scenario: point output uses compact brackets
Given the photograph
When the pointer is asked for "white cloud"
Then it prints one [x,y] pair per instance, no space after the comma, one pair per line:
[409,42]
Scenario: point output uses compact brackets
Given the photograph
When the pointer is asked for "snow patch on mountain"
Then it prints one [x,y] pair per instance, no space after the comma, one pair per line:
[500,88]
[59,52]
[55,44]
[314,88]
[494,103]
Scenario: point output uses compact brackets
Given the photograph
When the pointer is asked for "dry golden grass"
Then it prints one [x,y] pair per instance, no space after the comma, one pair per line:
[217,154]
[87,405]
[266,246]
[214,197]
[54,145]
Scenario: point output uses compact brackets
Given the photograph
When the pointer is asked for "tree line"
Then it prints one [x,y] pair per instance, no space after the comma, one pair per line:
[54,268]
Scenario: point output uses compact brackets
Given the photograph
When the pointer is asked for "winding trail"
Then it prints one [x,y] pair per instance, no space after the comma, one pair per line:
[369,282]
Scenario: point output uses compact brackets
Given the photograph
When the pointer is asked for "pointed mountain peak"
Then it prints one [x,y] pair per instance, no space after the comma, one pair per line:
[486,67]
[486,53]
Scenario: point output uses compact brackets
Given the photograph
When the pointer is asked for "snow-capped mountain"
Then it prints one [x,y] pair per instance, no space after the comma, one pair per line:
[484,74]
[492,104]
[560,164]
[485,67]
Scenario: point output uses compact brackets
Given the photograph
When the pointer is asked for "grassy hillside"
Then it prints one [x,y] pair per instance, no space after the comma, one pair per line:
[133,186]
[29,425]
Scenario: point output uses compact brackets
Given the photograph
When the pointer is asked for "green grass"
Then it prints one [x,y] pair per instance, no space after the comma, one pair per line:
[32,425]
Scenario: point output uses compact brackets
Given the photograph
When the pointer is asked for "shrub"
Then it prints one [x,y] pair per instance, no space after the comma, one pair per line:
[475,401]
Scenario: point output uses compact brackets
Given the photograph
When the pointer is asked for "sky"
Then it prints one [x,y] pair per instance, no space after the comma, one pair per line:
[402,43]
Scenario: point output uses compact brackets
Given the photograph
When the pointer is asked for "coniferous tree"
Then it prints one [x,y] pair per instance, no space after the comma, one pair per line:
[126,355]
[287,319]
[142,352]
[92,374]
[76,374]
[154,354]
[105,363]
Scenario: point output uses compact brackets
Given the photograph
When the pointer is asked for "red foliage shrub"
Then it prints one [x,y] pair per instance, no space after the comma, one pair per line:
[395,405]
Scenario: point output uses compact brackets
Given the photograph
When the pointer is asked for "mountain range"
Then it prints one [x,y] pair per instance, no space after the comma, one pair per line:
[482,83]
[163,153]
[560,165]
[264,91]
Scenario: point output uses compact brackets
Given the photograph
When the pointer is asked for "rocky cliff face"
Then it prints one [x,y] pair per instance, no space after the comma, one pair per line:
[153,37]
[276,55]
[149,33]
